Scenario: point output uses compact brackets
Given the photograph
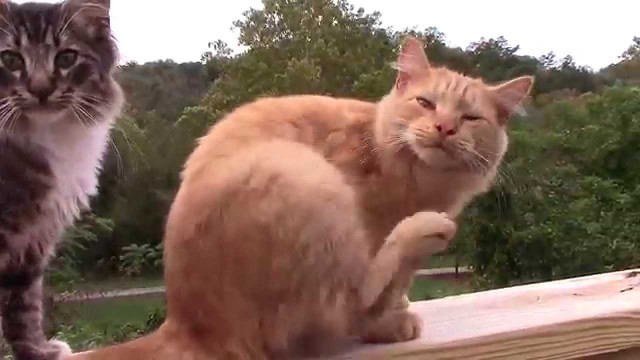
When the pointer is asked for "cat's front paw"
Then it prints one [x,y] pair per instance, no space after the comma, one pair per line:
[58,350]
[402,303]
[392,327]
[425,233]
[51,350]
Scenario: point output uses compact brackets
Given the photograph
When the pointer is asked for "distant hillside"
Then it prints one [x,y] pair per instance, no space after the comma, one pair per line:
[165,86]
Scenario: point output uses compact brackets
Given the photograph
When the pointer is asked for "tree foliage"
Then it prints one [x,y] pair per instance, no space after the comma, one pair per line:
[573,209]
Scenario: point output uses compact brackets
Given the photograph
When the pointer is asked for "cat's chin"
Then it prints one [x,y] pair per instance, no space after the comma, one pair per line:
[437,158]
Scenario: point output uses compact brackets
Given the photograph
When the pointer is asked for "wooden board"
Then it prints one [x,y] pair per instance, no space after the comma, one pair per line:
[565,319]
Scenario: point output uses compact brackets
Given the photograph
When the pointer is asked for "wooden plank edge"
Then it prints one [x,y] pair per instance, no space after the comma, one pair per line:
[576,336]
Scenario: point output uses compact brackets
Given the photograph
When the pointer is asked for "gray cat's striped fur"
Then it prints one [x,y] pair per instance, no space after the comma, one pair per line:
[58,101]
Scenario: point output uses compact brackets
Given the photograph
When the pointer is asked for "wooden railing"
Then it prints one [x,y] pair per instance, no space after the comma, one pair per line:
[594,317]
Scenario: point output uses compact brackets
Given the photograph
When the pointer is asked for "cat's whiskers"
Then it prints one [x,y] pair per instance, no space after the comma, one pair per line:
[5,31]
[92,102]
[7,108]
[89,119]
[82,115]
[12,116]
[87,96]
[476,161]
[119,163]
[77,115]
[500,190]
[9,23]
[17,115]
[397,141]
[503,176]
[86,108]
[370,145]
[398,138]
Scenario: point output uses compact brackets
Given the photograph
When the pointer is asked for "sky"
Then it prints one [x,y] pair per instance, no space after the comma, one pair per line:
[595,34]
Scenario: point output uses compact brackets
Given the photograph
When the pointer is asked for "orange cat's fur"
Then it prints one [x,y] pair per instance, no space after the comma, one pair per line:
[300,219]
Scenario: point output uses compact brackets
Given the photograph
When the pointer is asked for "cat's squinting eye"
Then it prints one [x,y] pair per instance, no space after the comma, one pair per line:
[471,117]
[66,59]
[12,60]
[426,103]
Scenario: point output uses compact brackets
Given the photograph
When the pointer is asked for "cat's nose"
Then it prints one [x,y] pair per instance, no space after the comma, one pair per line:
[41,88]
[446,128]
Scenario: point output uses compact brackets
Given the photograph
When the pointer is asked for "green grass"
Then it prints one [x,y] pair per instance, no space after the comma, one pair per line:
[97,323]
[443,261]
[120,311]
[91,324]
[425,289]
[112,312]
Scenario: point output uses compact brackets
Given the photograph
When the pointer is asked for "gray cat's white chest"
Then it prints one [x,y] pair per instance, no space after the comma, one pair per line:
[74,156]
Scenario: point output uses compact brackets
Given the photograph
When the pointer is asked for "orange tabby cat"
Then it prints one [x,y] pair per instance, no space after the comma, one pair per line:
[301,219]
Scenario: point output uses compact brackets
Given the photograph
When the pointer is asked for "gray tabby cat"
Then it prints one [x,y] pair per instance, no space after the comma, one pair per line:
[58,101]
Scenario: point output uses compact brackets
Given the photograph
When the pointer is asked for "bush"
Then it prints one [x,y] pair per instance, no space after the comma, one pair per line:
[138,259]
[575,210]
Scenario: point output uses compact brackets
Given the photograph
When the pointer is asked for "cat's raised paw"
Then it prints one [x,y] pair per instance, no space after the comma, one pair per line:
[425,233]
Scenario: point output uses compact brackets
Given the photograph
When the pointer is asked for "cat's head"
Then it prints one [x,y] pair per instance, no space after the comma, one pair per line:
[445,119]
[56,64]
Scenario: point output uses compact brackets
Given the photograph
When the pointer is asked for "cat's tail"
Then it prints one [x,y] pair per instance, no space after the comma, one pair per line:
[165,343]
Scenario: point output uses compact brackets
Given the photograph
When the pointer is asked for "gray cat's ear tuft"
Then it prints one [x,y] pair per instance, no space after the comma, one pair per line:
[91,15]
[5,10]
[105,4]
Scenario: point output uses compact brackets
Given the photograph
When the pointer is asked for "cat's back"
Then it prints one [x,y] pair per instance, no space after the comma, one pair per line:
[306,119]
[310,111]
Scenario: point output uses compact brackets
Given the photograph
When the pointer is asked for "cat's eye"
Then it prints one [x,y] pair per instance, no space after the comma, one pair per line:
[66,59]
[426,103]
[12,60]
[468,117]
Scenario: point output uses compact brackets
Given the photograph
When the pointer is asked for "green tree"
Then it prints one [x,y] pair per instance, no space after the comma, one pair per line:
[627,71]
[165,87]
[574,213]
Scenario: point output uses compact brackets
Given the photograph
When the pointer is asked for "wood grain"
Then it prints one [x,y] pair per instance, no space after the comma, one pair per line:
[566,319]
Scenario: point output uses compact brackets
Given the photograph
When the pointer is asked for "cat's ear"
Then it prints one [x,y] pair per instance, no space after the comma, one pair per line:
[5,14]
[411,61]
[4,6]
[510,94]
[90,15]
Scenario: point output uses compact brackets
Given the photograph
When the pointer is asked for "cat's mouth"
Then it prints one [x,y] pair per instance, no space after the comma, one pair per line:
[38,107]
[44,112]
[439,149]
[421,144]
[438,154]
